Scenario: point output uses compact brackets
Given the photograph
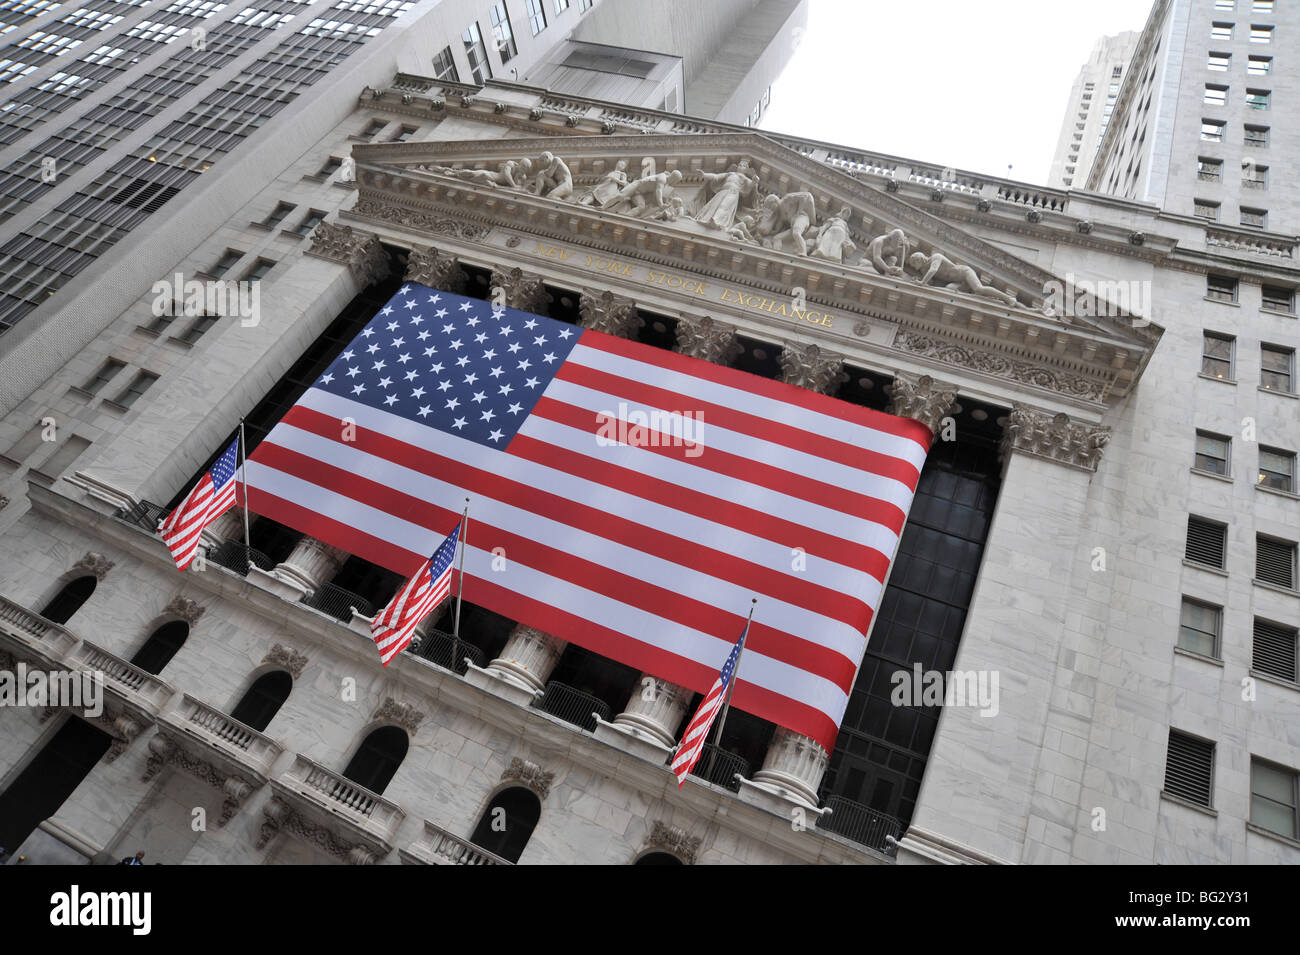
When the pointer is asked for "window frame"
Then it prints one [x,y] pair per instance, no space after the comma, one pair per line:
[1221,294]
[1216,636]
[1289,476]
[1294,775]
[1194,741]
[1288,353]
[1226,460]
[1282,305]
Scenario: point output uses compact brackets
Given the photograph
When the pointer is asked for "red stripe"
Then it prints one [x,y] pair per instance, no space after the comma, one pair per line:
[697,503]
[764,429]
[601,523]
[767,387]
[659,601]
[741,468]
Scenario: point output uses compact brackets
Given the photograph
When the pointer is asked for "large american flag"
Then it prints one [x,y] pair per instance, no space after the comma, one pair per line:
[697,730]
[643,546]
[212,496]
[394,626]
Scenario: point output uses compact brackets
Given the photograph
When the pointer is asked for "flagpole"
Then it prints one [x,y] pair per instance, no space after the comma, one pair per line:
[460,583]
[243,483]
[731,686]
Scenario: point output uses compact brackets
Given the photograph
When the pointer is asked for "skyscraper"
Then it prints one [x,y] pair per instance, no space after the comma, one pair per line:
[1089,109]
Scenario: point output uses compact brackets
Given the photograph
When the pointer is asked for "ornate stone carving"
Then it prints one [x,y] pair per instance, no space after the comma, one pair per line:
[184,608]
[729,190]
[4,502]
[124,730]
[610,313]
[522,290]
[160,751]
[833,237]
[499,108]
[607,188]
[922,398]
[286,659]
[936,195]
[1084,226]
[359,250]
[703,337]
[551,177]
[466,101]
[607,127]
[419,221]
[983,205]
[1137,238]
[887,253]
[991,363]
[812,367]
[274,815]
[535,114]
[1033,215]
[404,715]
[529,774]
[941,270]
[891,185]
[93,563]
[435,269]
[1054,437]
[650,196]
[234,789]
[674,840]
[571,120]
[788,217]
[437,104]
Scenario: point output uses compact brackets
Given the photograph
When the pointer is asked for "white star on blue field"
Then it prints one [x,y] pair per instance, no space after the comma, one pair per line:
[458,364]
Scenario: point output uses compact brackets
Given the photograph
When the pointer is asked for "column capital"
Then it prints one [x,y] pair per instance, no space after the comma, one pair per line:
[700,336]
[610,313]
[435,269]
[922,398]
[1054,437]
[358,249]
[522,290]
[812,367]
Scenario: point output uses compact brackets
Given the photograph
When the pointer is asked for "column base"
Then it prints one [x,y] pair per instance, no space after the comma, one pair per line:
[267,580]
[496,683]
[785,786]
[779,802]
[633,741]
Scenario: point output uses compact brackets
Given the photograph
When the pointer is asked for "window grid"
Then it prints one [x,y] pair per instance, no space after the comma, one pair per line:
[1213,453]
[1276,469]
[1200,627]
[1277,367]
[1275,798]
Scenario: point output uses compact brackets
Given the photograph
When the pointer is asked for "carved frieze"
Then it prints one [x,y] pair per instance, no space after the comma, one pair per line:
[999,366]
[286,659]
[93,563]
[674,840]
[1055,437]
[610,313]
[700,336]
[812,367]
[529,774]
[436,270]
[359,250]
[518,289]
[401,714]
[922,398]
[235,789]
[425,222]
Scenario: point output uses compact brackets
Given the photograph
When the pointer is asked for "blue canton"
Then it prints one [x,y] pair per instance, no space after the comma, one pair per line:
[458,364]
[224,469]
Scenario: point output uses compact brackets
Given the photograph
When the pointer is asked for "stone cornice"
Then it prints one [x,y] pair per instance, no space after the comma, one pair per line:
[1054,437]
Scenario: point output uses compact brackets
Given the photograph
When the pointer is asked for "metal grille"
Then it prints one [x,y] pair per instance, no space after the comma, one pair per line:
[1275,562]
[1275,650]
[1205,541]
[146,515]
[233,555]
[852,820]
[1189,771]
[441,648]
[721,767]
[573,706]
[338,603]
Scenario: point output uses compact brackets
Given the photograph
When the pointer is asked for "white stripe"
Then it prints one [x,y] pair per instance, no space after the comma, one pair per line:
[678,639]
[800,464]
[797,416]
[710,590]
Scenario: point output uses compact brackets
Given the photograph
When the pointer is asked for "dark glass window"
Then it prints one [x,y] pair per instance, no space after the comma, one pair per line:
[377,759]
[161,646]
[263,699]
[49,779]
[69,600]
[507,823]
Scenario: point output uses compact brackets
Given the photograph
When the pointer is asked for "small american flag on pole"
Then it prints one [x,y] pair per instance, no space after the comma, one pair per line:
[692,745]
[211,497]
[394,626]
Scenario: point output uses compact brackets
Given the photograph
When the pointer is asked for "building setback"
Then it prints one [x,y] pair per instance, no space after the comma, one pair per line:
[1089,109]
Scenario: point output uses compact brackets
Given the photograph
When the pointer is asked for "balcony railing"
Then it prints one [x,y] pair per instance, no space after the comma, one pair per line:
[721,767]
[338,603]
[860,823]
[441,648]
[440,847]
[226,733]
[34,630]
[366,810]
[139,686]
[233,555]
[573,706]
[145,515]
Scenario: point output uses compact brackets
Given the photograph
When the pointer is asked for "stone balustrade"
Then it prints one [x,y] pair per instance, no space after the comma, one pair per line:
[439,847]
[227,734]
[367,811]
[50,640]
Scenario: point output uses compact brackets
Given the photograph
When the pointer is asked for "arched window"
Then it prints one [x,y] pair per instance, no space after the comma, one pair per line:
[263,699]
[69,600]
[377,759]
[161,646]
[658,858]
[508,823]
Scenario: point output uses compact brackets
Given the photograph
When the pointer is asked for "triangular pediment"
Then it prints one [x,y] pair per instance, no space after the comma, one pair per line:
[741,203]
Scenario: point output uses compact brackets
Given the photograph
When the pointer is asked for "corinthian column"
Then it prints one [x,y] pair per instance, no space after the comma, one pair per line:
[811,367]
[609,313]
[435,269]
[310,564]
[922,398]
[705,338]
[519,289]
[358,249]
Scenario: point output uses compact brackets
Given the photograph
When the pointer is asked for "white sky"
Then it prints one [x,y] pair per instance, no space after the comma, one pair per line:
[972,84]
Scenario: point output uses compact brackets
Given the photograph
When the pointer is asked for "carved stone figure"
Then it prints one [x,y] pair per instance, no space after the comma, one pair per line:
[647,196]
[832,238]
[887,252]
[552,178]
[730,189]
[939,268]
[788,217]
[512,174]
[603,192]
[741,230]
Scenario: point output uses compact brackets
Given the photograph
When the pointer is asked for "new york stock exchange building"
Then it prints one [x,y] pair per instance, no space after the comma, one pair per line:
[1093,590]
